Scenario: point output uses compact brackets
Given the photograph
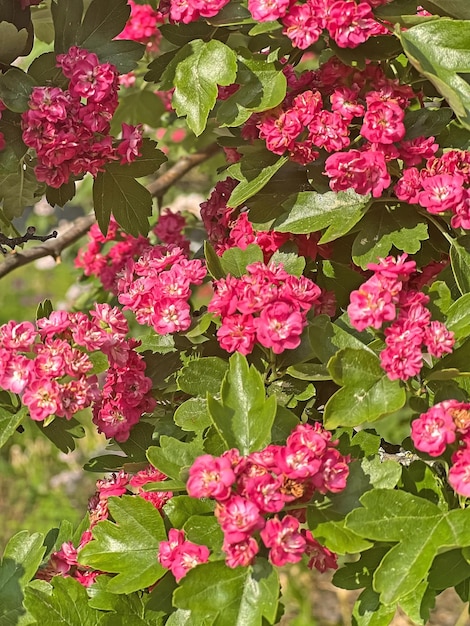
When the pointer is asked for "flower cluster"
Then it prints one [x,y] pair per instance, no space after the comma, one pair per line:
[187,11]
[389,296]
[157,288]
[327,111]
[169,229]
[180,555]
[347,23]
[251,492]
[142,25]
[97,260]
[230,228]
[64,562]
[442,185]
[444,424]
[69,129]
[48,366]
[267,305]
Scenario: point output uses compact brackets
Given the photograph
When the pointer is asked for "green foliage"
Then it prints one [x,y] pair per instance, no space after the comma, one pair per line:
[127,547]
[195,72]
[439,50]
[401,529]
[244,416]
[239,596]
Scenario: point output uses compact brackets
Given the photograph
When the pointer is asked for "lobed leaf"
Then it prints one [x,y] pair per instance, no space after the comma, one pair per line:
[128,546]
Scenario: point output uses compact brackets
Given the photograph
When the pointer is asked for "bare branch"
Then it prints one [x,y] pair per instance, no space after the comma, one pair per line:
[76,229]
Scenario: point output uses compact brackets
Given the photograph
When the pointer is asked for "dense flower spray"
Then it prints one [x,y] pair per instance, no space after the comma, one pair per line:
[69,129]
[389,296]
[253,491]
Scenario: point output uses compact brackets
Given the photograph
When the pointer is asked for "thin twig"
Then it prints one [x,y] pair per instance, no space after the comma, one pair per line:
[80,226]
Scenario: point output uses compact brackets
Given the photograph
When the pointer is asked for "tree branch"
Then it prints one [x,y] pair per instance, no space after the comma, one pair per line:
[79,227]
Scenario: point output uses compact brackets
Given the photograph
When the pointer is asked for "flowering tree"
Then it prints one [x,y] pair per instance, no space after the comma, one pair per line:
[296,388]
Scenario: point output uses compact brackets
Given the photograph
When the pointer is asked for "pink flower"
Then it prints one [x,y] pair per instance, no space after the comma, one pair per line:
[16,371]
[364,171]
[434,430]
[42,397]
[279,327]
[351,24]
[179,555]
[304,23]
[320,557]
[284,539]
[237,333]
[238,518]
[459,473]
[383,122]
[438,340]
[371,305]
[210,477]
[131,143]
[268,10]
[441,192]
[240,554]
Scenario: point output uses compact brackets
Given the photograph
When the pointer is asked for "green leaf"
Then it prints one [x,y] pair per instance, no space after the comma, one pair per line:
[138,107]
[253,173]
[67,17]
[103,21]
[244,595]
[62,195]
[180,509]
[235,260]
[262,87]
[309,371]
[327,338]
[458,317]
[309,211]
[19,189]
[63,602]
[122,53]
[13,42]
[341,280]
[214,266]
[460,261]
[193,415]
[368,610]
[292,263]
[448,569]
[173,457]
[426,122]
[21,559]
[329,528]
[420,530]
[244,416]
[62,433]
[129,546]
[15,89]
[202,376]
[440,51]
[9,422]
[454,8]
[146,164]
[205,531]
[383,228]
[130,202]
[195,72]
[367,393]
